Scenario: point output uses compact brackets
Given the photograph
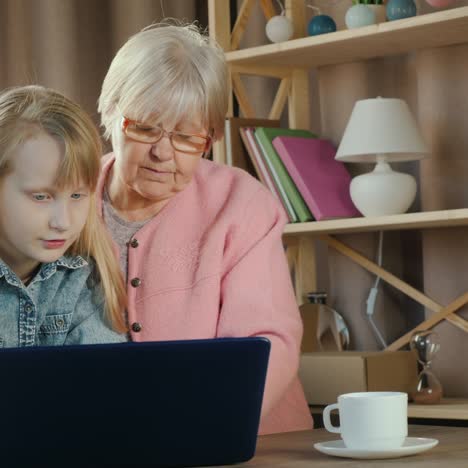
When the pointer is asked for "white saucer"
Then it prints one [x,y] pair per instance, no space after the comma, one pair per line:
[411,446]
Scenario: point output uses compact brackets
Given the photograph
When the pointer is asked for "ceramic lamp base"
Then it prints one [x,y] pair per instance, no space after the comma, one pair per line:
[383,191]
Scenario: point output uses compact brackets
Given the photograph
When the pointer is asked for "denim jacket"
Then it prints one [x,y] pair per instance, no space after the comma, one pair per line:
[62,305]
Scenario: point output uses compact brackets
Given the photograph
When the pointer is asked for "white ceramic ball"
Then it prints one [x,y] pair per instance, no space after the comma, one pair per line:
[359,15]
[279,29]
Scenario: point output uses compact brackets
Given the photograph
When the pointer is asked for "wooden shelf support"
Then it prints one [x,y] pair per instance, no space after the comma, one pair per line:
[296,11]
[241,23]
[242,96]
[434,319]
[440,312]
[305,274]
[268,9]
[280,99]
[388,277]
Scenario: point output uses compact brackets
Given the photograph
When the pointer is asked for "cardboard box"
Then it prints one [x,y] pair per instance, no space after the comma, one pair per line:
[321,329]
[325,375]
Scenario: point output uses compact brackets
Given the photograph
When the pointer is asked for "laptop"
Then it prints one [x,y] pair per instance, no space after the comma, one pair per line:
[171,404]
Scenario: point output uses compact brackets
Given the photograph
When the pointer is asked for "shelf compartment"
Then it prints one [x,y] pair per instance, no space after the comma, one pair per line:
[437,29]
[421,220]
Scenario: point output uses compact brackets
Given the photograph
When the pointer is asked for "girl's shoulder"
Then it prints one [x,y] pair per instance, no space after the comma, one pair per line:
[74,262]
[73,268]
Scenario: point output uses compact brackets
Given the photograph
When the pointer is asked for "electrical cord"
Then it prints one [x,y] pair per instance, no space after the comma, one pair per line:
[371,299]
[281,7]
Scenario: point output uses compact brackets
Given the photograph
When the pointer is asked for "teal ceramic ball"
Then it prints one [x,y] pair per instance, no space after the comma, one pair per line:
[359,15]
[321,24]
[399,9]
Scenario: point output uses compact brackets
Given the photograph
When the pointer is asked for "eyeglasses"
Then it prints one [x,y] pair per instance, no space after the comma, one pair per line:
[183,142]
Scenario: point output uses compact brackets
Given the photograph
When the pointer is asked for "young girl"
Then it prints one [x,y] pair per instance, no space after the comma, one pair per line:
[60,282]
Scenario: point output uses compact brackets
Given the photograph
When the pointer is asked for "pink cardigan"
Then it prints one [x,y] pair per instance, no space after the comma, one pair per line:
[211,264]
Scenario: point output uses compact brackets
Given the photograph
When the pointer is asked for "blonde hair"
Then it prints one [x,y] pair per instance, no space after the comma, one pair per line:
[29,110]
[166,73]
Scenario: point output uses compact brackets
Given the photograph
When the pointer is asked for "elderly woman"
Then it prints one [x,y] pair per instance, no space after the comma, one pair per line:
[200,243]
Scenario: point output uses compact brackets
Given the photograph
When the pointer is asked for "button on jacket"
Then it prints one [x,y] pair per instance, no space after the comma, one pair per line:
[62,305]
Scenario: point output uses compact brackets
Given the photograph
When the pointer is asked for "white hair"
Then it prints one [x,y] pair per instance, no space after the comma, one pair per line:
[166,73]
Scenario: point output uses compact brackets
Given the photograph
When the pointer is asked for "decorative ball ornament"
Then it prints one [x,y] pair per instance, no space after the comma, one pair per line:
[279,29]
[359,15]
[399,9]
[321,24]
[440,3]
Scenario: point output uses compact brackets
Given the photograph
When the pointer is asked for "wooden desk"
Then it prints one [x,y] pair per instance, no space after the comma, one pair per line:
[296,450]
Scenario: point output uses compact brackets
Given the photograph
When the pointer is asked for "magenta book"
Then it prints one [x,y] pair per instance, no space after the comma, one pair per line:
[322,181]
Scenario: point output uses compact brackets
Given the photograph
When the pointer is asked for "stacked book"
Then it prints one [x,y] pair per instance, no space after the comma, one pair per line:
[297,167]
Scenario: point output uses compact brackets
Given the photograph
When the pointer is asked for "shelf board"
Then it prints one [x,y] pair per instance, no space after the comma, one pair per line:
[437,29]
[421,220]
[449,408]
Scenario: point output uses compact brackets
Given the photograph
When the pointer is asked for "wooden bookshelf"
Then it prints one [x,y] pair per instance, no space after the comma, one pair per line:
[290,62]
[422,220]
[437,29]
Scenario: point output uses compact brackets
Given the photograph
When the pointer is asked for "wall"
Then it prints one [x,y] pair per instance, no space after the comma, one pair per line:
[69,44]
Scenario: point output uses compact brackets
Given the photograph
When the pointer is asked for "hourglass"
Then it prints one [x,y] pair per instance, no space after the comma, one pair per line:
[428,389]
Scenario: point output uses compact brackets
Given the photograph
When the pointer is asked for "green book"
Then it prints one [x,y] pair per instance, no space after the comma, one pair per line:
[265,137]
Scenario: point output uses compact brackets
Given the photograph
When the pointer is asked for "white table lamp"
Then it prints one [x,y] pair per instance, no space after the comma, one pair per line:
[382,130]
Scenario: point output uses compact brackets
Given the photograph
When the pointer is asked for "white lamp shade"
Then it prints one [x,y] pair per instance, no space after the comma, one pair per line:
[381,126]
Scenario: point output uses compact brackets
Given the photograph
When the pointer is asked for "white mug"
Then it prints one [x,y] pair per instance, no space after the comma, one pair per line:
[370,420]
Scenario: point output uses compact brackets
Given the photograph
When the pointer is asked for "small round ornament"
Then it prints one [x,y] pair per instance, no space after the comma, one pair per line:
[440,3]
[359,15]
[399,9]
[279,29]
[321,24]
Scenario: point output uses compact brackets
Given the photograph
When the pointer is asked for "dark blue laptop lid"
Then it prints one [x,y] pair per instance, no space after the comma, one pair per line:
[174,403]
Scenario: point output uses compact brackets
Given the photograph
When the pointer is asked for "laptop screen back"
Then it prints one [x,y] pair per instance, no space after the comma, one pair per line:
[177,403]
